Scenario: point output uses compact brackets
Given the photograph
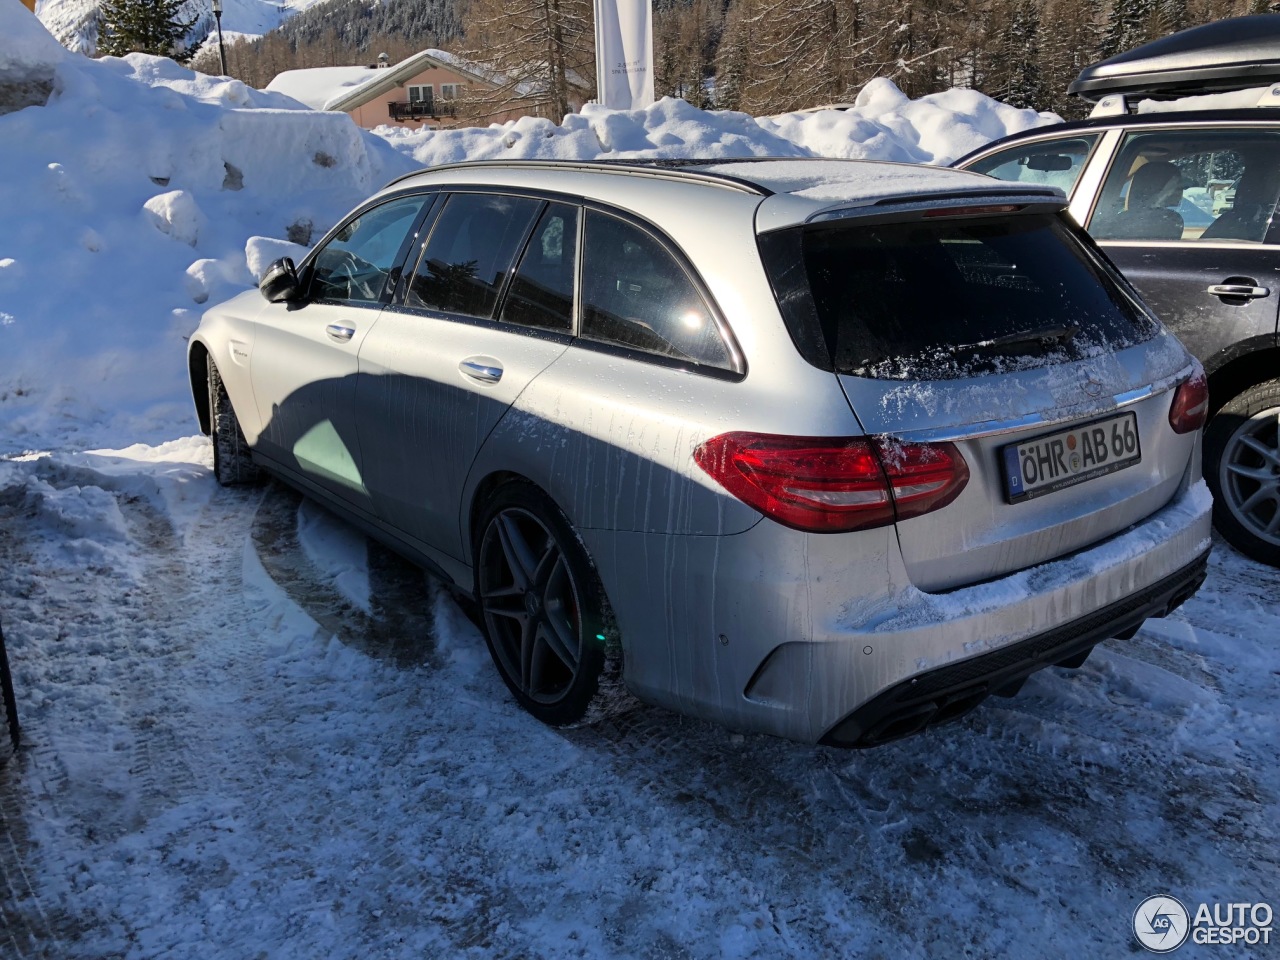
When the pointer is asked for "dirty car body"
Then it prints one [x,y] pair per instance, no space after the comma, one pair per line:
[828,450]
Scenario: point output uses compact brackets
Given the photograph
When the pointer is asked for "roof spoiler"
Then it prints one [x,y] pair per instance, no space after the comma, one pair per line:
[965,204]
[1228,55]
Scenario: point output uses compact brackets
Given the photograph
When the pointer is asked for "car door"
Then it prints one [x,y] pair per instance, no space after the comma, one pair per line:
[305,354]
[463,339]
[1186,213]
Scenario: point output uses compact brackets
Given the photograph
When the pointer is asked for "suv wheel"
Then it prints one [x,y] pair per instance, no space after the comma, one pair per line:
[1242,466]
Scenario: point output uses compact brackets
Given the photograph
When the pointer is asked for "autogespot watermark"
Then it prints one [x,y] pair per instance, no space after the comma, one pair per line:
[1162,924]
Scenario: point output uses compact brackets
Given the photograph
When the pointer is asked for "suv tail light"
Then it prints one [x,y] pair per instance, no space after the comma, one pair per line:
[834,484]
[1190,405]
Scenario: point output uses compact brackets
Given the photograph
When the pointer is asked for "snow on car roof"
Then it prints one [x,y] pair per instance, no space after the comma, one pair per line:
[818,180]
[831,180]
[796,191]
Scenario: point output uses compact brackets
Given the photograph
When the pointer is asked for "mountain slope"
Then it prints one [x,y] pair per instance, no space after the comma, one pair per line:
[75,22]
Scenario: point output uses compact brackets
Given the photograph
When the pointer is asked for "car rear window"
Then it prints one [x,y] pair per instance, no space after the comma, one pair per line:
[947,298]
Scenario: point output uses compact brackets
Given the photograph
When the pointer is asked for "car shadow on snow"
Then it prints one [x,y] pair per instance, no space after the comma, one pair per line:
[398,625]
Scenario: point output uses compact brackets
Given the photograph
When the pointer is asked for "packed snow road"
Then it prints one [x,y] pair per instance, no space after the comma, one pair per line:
[249,733]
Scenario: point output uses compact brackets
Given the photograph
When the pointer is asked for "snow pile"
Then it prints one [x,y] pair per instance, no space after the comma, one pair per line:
[883,124]
[28,58]
[26,45]
[127,202]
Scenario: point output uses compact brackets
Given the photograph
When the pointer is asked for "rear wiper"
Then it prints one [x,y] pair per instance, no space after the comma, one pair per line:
[1043,335]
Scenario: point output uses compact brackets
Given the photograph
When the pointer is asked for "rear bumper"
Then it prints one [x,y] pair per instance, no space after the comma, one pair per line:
[818,638]
[947,693]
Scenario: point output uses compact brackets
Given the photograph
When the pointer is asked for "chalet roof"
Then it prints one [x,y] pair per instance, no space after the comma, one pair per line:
[345,88]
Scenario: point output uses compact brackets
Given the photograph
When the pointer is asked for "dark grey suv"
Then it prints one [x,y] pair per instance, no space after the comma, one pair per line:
[1180,190]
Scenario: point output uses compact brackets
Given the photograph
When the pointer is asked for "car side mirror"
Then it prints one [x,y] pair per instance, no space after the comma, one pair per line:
[1046,162]
[279,282]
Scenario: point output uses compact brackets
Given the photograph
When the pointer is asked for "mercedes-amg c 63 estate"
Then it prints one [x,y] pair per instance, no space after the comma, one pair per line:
[830,450]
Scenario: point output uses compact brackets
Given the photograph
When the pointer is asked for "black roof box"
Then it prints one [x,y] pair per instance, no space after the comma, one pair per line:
[1232,54]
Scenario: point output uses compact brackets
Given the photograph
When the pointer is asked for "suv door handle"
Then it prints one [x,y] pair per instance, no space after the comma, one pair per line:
[1240,290]
[340,332]
[484,369]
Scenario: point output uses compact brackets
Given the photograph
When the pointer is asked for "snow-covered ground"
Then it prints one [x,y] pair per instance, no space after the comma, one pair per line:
[252,734]
[249,733]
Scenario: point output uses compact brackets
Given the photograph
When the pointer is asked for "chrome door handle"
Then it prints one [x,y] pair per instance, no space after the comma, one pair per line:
[340,332]
[1243,291]
[484,369]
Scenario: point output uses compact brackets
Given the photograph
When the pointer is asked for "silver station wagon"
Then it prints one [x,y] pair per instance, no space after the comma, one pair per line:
[829,450]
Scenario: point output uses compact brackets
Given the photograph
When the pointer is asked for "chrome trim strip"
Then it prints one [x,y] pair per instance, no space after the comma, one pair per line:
[977,431]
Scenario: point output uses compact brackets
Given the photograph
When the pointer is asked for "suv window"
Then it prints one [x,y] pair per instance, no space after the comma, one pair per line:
[470,252]
[946,299]
[1191,185]
[635,294]
[541,293]
[356,262]
[1057,163]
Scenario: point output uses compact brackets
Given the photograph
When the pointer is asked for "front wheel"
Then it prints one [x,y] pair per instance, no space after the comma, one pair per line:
[232,463]
[546,618]
[1242,467]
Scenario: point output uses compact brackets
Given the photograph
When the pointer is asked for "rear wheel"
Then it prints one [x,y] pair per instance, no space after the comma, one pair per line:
[1242,466]
[232,463]
[545,615]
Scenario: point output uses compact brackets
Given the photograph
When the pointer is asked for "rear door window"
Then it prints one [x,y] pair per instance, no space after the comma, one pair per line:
[541,293]
[470,252]
[1191,185]
[1056,163]
[947,298]
[636,294]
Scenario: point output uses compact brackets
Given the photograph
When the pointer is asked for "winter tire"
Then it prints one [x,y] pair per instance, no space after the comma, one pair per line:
[546,619]
[232,463]
[1242,467]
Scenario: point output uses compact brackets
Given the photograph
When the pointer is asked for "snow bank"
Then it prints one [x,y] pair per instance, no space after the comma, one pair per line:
[127,202]
[25,45]
[882,124]
[28,58]
[143,192]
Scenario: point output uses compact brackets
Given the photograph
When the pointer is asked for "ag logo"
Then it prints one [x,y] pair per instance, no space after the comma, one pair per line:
[1161,924]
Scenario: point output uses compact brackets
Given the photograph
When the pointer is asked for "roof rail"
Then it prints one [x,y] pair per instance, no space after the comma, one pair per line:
[660,168]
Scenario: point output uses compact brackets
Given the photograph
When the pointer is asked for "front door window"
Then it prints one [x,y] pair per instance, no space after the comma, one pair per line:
[356,263]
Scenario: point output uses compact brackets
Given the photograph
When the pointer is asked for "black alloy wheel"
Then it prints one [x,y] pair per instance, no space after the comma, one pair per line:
[542,605]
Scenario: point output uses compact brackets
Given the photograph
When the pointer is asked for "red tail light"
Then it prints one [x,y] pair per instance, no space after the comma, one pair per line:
[1190,402]
[834,484]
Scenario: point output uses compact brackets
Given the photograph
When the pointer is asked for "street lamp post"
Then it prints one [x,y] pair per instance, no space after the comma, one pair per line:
[222,51]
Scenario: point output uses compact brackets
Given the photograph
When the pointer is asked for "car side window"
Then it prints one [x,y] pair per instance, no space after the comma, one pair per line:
[635,294]
[1191,185]
[1055,163]
[470,252]
[358,259]
[541,293]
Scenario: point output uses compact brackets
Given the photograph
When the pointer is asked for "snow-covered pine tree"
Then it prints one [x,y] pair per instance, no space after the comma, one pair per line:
[144,26]
[1132,23]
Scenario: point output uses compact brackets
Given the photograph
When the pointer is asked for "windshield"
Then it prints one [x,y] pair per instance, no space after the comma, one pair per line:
[939,299]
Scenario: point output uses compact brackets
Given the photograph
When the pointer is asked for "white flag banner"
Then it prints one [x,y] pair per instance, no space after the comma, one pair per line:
[624,53]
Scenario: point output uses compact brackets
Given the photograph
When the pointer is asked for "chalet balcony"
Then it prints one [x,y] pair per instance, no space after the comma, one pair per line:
[421,109]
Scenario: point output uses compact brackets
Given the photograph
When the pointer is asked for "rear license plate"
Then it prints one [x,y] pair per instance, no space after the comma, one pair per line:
[1063,459]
